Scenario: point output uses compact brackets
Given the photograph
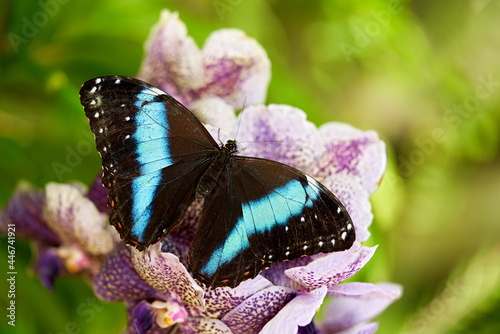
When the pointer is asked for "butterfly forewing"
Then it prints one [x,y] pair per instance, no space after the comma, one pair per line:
[266,212]
[153,151]
[138,128]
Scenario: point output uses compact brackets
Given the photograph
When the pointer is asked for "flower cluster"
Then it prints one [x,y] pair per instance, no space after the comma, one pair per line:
[68,224]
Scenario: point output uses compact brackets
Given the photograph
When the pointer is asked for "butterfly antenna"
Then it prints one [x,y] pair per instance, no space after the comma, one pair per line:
[241,116]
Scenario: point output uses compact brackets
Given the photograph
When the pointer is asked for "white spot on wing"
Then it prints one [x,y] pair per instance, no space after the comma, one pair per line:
[312,181]
[157,91]
[98,80]
[344,235]
[93,90]
[96,115]
[127,118]
[117,81]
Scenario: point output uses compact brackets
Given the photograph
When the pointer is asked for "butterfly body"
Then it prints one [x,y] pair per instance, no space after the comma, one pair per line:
[208,180]
[158,158]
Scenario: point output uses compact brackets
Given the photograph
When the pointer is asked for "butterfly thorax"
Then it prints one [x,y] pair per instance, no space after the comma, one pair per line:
[209,179]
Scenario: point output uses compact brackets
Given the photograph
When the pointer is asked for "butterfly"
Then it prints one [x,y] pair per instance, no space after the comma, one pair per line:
[157,158]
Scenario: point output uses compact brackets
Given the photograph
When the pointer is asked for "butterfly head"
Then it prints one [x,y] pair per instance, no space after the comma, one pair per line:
[231,146]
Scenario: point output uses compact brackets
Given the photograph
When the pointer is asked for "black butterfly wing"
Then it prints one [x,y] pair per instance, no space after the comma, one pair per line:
[153,152]
[264,212]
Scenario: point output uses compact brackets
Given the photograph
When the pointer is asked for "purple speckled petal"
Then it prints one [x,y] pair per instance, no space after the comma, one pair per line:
[359,154]
[143,316]
[356,201]
[141,319]
[281,133]
[364,302]
[208,326]
[76,219]
[276,273]
[332,268]
[298,312]
[214,111]
[220,301]
[25,211]
[173,61]
[99,195]
[251,315]
[167,275]
[237,68]
[49,266]
[118,280]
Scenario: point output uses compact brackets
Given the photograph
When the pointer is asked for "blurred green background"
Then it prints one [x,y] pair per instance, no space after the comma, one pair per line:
[424,74]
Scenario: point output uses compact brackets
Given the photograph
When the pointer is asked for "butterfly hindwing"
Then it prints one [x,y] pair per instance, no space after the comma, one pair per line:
[147,207]
[153,152]
[264,212]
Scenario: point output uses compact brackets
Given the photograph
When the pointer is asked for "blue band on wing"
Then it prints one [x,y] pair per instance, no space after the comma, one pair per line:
[153,154]
[262,215]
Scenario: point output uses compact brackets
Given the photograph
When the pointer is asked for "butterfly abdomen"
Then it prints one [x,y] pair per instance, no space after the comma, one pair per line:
[209,179]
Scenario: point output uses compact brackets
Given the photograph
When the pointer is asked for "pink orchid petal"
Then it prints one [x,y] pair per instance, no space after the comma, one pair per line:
[298,312]
[356,153]
[173,61]
[76,219]
[237,68]
[331,269]
[369,328]
[23,215]
[215,112]
[280,133]
[361,303]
